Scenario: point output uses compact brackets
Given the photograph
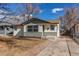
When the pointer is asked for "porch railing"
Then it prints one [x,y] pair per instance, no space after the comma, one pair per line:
[39,34]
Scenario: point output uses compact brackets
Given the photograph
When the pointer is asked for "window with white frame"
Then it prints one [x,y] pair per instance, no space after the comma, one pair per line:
[32,28]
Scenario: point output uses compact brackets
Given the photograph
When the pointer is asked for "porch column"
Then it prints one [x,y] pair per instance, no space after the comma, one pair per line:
[25,29]
[58,30]
[40,29]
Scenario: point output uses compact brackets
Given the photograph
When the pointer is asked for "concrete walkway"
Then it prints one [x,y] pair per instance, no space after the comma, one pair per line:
[73,47]
[63,46]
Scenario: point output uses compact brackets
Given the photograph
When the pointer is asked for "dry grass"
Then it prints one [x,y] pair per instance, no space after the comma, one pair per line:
[18,46]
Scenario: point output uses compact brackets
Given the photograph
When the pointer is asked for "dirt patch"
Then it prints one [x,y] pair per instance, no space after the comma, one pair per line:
[20,45]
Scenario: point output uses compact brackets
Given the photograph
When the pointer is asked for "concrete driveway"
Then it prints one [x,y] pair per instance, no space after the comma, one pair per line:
[63,46]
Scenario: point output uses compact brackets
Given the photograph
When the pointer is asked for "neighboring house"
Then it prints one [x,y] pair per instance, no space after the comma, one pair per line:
[76,32]
[37,28]
[5,28]
[7,24]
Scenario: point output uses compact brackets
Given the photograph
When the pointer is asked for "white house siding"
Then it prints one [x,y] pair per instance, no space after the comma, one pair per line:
[40,28]
[25,28]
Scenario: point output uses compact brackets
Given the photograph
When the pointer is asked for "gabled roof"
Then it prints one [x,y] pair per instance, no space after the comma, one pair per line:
[36,21]
[13,21]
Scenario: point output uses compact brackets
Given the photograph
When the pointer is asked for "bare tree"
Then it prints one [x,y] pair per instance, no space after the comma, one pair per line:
[5,11]
[32,10]
[70,17]
[28,10]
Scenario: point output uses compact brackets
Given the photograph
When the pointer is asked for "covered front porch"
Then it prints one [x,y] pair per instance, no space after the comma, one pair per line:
[38,30]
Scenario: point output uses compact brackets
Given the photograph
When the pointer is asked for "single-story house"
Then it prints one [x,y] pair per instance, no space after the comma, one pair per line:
[37,28]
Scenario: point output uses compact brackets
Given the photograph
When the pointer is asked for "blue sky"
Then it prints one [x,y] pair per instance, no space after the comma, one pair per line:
[47,10]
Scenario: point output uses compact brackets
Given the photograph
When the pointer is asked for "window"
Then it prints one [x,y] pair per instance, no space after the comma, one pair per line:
[33,28]
[52,27]
[29,28]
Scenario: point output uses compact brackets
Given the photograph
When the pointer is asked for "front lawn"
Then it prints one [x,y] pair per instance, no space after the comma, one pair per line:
[20,45]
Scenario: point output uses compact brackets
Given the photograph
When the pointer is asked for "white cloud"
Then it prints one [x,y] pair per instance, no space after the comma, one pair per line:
[57,9]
